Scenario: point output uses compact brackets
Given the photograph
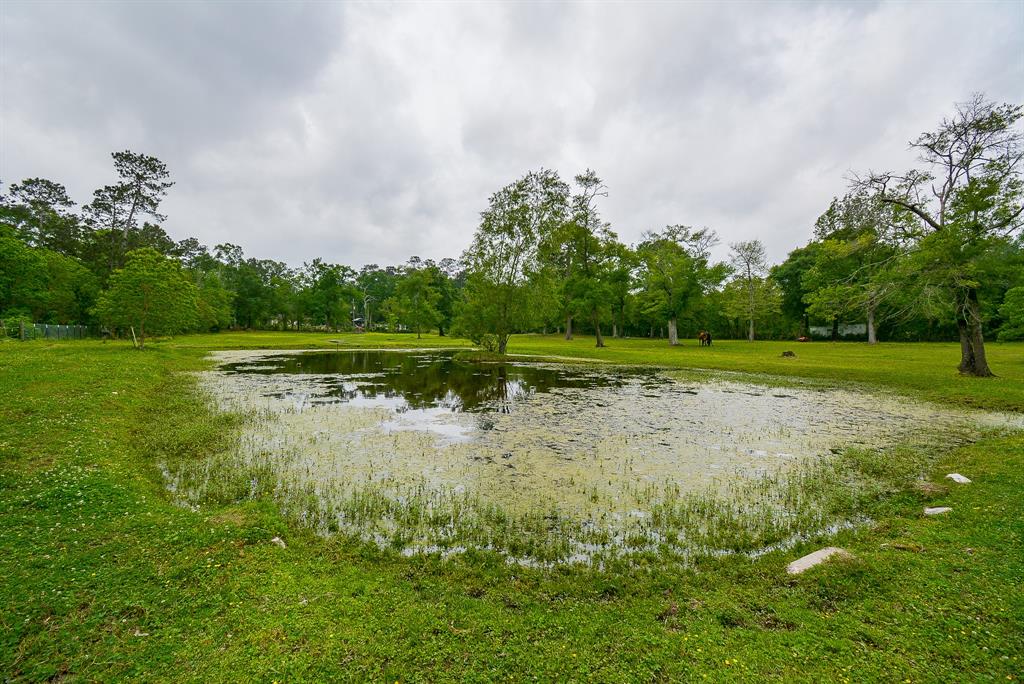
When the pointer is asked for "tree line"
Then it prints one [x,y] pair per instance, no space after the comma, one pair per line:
[111,264]
[931,253]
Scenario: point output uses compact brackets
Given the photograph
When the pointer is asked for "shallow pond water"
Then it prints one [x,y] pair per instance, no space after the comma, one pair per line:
[599,446]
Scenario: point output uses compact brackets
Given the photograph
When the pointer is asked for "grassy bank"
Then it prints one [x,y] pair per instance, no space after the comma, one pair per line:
[104,579]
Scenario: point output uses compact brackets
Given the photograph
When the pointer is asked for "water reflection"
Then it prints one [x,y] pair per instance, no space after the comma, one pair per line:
[404,381]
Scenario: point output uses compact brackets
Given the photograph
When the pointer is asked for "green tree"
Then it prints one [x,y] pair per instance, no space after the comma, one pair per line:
[151,294]
[675,273]
[71,289]
[44,285]
[375,286]
[852,274]
[417,299]
[447,279]
[117,209]
[957,210]
[502,267]
[23,278]
[576,252]
[789,276]
[750,264]
[331,293]
[40,210]
[213,301]
[1012,312]
[737,305]
[622,264]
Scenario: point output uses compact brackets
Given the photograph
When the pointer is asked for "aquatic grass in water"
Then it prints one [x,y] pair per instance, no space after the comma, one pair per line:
[546,463]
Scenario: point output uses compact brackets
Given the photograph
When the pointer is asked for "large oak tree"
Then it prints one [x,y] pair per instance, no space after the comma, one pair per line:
[964,202]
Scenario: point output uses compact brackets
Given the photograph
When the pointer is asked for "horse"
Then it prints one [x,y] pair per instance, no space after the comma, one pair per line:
[704,338]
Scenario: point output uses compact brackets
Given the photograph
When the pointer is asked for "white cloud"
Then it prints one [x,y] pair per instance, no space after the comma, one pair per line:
[368,133]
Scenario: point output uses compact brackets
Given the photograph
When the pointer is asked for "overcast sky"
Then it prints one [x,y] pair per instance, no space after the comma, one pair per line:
[372,132]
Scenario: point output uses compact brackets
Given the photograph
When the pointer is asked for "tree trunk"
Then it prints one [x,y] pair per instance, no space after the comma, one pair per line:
[750,331]
[673,335]
[872,339]
[615,330]
[502,343]
[568,327]
[597,329]
[835,328]
[972,342]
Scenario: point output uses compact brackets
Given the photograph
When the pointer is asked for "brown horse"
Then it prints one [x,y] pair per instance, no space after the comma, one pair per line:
[704,338]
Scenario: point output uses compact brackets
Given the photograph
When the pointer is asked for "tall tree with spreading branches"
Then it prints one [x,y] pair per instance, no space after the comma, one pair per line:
[142,185]
[502,264]
[964,202]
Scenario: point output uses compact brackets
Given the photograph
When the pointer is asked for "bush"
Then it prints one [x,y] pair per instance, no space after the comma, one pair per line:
[11,321]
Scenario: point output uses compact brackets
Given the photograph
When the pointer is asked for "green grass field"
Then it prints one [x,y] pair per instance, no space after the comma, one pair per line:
[104,579]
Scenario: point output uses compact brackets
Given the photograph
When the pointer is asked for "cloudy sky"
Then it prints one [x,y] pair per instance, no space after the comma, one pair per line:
[372,132]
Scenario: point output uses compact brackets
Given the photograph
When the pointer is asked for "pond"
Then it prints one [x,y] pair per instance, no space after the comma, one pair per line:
[421,451]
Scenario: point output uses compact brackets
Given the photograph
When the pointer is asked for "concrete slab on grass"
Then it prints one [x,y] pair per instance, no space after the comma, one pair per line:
[938,510]
[816,558]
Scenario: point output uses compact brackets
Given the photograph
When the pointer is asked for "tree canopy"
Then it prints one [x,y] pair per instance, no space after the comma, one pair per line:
[150,295]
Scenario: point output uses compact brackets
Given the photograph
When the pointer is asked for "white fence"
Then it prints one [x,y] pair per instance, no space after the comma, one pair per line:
[48,331]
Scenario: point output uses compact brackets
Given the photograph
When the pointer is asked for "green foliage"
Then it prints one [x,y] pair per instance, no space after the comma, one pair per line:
[213,302]
[150,294]
[39,211]
[49,287]
[503,283]
[789,275]
[1012,312]
[577,254]
[417,298]
[855,271]
[750,268]
[675,273]
[330,294]
[22,275]
[13,321]
[736,300]
[544,257]
[957,211]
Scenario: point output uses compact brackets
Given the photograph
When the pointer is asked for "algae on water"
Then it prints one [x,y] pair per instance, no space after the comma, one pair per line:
[417,450]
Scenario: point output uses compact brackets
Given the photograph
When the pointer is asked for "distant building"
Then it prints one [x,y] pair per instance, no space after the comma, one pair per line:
[846,331]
